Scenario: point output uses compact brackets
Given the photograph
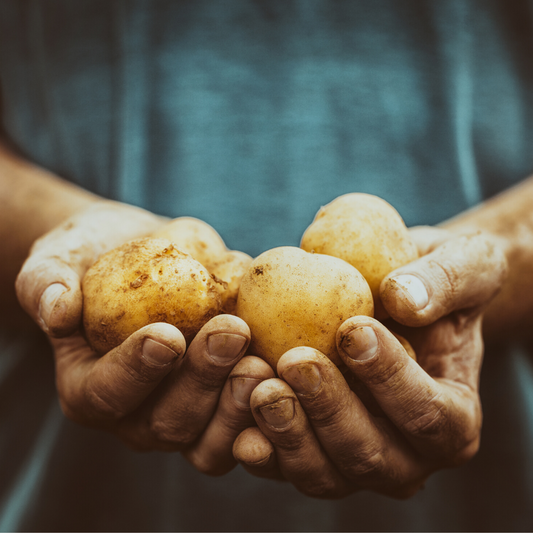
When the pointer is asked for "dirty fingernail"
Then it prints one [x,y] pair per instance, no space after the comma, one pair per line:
[50,301]
[360,344]
[414,290]
[157,353]
[304,378]
[242,389]
[224,347]
[278,414]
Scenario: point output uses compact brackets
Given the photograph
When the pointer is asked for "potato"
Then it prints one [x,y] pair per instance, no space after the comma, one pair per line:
[291,298]
[194,237]
[365,231]
[142,282]
[203,243]
[229,270]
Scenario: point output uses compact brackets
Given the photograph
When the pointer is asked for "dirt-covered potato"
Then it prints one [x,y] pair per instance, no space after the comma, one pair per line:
[142,282]
[365,231]
[203,243]
[290,298]
[194,237]
[229,270]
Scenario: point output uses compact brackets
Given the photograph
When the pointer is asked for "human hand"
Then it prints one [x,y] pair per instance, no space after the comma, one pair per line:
[317,433]
[152,391]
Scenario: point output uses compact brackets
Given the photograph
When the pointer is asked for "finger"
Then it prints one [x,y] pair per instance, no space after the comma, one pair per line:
[441,418]
[256,454]
[212,454]
[102,390]
[189,398]
[363,448]
[48,286]
[427,238]
[301,459]
[462,273]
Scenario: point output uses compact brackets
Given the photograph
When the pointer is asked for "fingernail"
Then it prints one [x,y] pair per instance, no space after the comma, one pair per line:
[414,290]
[49,301]
[157,353]
[224,347]
[303,378]
[360,344]
[242,389]
[279,414]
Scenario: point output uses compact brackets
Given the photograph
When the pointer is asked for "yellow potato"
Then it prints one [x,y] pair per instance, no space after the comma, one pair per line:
[365,231]
[142,282]
[229,270]
[203,243]
[194,237]
[291,298]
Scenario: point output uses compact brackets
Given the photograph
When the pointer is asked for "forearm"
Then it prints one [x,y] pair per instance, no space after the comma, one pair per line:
[508,216]
[32,201]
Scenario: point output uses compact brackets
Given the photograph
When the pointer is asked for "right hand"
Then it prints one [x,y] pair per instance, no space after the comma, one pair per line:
[152,391]
[326,438]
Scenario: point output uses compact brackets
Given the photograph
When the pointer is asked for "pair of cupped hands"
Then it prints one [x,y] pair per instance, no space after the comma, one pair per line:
[301,421]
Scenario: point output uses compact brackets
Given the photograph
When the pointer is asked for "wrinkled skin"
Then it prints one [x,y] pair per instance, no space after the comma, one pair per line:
[153,391]
[316,433]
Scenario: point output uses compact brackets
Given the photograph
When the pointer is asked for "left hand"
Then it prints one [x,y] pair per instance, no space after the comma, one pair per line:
[152,391]
[314,431]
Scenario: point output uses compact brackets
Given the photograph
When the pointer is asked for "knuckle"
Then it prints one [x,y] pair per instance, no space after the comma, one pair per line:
[452,432]
[448,276]
[291,442]
[431,423]
[494,251]
[233,425]
[169,434]
[209,380]
[380,374]
[141,376]
[103,406]
[366,465]
[327,412]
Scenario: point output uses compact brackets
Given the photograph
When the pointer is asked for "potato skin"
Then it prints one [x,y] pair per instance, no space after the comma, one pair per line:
[291,298]
[365,231]
[230,269]
[142,282]
[198,239]
[194,237]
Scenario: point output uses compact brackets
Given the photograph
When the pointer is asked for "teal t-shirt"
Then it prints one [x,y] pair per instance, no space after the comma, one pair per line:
[251,114]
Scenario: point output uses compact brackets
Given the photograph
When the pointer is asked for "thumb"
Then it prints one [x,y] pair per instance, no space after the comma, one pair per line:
[48,286]
[464,272]
[49,291]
